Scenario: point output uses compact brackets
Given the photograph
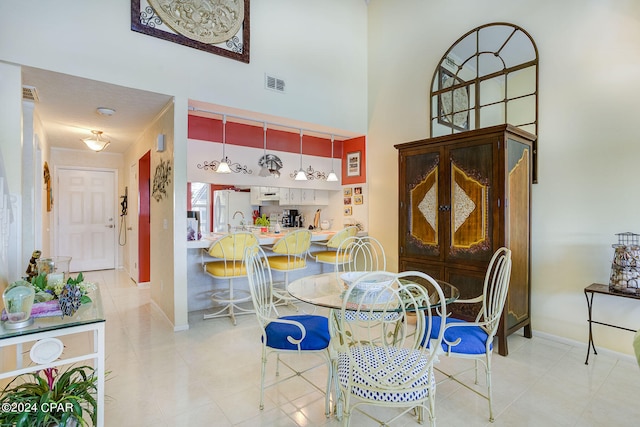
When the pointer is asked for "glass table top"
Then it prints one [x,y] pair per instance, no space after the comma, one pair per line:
[87,313]
[327,290]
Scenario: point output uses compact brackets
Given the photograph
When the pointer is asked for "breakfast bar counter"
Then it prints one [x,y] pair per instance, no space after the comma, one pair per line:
[268,238]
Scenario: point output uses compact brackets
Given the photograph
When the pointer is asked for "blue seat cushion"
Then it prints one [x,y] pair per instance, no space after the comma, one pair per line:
[317,337]
[472,338]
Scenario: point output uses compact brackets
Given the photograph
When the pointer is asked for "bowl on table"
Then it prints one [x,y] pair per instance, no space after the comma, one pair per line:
[373,282]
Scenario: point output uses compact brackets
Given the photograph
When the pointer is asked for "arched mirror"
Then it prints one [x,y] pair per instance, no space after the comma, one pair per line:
[488,77]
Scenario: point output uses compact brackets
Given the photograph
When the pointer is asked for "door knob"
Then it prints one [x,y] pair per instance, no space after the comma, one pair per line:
[130,228]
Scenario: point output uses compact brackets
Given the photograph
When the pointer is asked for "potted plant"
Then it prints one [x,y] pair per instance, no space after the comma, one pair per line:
[50,398]
[263,222]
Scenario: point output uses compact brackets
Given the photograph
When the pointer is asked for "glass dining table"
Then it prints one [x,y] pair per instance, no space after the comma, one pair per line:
[328,289]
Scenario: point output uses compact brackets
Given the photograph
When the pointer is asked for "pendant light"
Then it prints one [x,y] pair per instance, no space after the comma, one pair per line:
[223,167]
[301,176]
[96,143]
[265,170]
[332,175]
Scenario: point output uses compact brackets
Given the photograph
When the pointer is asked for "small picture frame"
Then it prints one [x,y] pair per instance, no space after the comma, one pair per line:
[346,201]
[353,164]
[357,199]
[347,211]
[346,192]
[357,190]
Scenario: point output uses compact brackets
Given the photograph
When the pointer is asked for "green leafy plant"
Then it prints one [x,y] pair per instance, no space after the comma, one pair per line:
[46,291]
[263,221]
[48,397]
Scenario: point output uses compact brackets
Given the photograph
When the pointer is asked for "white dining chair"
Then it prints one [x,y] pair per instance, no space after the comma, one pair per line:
[360,253]
[474,339]
[301,334]
[380,361]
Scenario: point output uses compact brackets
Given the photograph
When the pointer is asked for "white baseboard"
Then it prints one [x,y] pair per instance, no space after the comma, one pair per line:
[580,344]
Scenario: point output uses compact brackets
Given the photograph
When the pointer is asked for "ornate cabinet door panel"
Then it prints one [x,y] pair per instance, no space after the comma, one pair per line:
[471,190]
[419,200]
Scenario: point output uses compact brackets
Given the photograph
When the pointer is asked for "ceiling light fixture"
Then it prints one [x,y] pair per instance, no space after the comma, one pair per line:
[223,167]
[105,111]
[265,170]
[301,175]
[332,175]
[96,143]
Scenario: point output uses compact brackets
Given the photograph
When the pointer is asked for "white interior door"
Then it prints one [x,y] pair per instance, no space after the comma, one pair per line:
[132,222]
[86,226]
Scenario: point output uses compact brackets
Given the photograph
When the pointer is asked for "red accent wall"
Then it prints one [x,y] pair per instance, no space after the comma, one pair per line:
[144,218]
[208,129]
[351,146]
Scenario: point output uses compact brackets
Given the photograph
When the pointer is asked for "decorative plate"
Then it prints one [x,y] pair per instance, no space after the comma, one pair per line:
[46,350]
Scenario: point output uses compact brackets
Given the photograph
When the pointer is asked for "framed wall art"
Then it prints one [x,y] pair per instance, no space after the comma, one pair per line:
[348,211]
[357,199]
[220,27]
[346,192]
[353,164]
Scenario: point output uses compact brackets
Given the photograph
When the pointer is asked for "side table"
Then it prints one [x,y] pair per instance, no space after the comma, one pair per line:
[88,319]
[589,292]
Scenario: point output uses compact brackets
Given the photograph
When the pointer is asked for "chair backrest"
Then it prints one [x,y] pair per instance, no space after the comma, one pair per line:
[232,246]
[337,238]
[260,284]
[374,330]
[496,286]
[229,249]
[293,243]
[360,254]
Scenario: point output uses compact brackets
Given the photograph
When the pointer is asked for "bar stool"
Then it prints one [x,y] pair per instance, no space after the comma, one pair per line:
[330,254]
[291,255]
[229,251]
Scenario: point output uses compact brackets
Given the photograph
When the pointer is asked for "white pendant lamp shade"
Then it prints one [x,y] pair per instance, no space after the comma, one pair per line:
[301,176]
[223,167]
[264,172]
[96,143]
[332,175]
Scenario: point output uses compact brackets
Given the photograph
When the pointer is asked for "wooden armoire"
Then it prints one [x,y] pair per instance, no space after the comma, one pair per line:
[461,197]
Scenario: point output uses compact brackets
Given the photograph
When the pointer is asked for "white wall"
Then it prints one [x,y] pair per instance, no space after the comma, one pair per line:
[588,148]
[318,48]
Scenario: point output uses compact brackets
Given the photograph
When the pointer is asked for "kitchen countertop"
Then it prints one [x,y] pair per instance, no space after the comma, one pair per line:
[268,238]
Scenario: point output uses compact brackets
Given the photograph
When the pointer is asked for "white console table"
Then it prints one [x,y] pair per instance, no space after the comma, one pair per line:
[89,318]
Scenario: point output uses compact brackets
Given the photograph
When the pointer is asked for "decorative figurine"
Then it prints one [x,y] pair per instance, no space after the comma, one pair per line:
[32,268]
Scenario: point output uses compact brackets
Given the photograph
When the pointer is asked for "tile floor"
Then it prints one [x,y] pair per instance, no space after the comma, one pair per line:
[209,376]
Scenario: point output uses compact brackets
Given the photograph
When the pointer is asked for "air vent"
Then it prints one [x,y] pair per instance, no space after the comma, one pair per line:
[273,83]
[30,93]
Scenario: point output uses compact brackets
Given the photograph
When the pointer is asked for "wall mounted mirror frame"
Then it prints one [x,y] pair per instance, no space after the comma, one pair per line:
[488,77]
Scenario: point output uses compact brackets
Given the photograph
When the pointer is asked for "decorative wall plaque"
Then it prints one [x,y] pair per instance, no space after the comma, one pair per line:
[215,26]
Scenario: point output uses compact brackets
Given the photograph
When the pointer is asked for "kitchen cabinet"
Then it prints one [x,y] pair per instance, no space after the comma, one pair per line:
[303,197]
[461,197]
[262,194]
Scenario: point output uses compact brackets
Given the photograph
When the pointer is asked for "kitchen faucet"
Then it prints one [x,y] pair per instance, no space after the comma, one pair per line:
[242,223]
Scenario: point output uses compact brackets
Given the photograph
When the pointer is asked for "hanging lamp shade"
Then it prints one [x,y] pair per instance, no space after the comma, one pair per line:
[332,175]
[301,176]
[223,167]
[96,143]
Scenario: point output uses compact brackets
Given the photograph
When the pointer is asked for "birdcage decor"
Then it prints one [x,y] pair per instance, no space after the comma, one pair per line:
[625,268]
